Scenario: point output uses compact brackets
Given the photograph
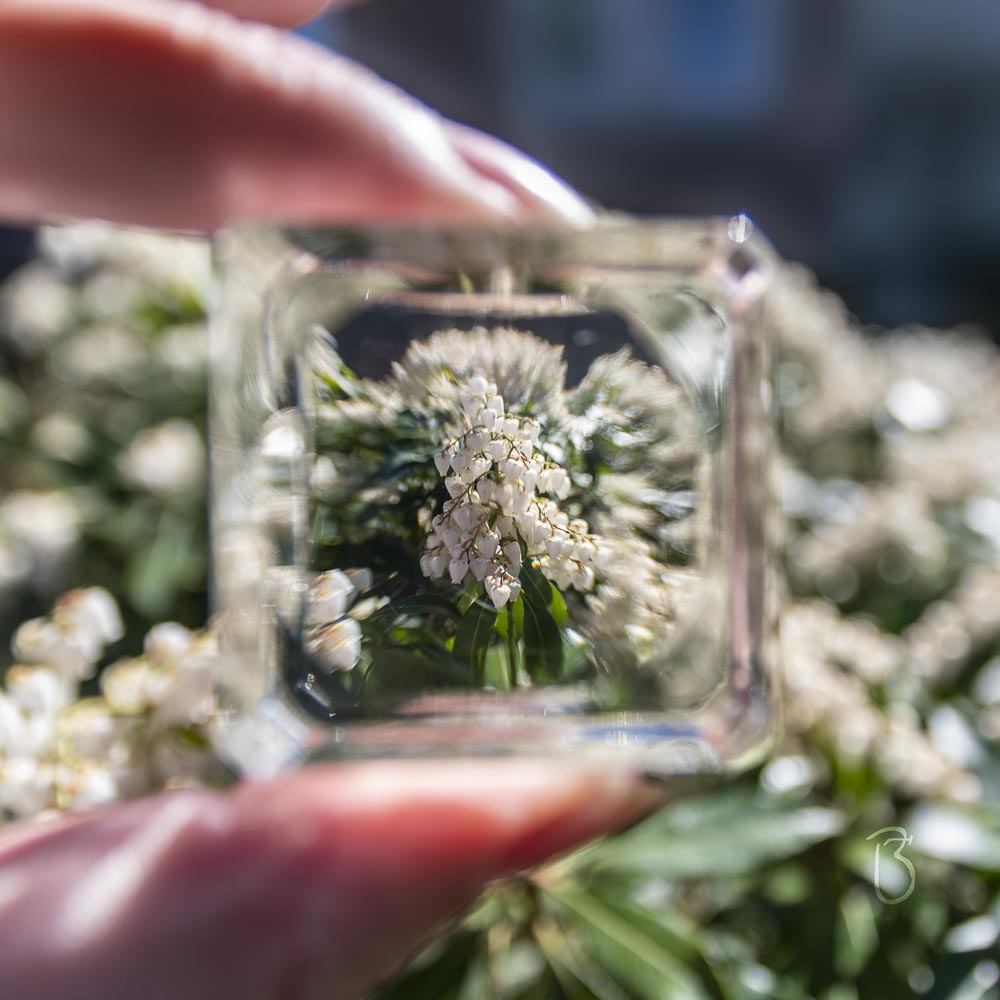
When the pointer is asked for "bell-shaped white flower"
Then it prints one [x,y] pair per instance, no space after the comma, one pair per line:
[329,597]
[338,646]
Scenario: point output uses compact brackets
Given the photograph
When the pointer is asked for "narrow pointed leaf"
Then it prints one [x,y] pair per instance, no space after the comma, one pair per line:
[475,632]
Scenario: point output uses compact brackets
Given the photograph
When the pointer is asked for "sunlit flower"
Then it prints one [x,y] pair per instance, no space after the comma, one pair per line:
[499,513]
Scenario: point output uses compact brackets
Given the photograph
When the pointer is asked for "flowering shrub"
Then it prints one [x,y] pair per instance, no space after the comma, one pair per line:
[891,488]
[503,518]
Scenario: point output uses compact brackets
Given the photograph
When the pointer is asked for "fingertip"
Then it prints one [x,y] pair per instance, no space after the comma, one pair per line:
[543,197]
[281,13]
[502,815]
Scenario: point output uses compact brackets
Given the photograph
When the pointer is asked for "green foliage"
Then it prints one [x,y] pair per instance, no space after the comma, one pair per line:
[543,643]
[473,637]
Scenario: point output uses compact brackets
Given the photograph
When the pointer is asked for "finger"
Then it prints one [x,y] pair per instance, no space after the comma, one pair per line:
[286,13]
[537,189]
[170,114]
[314,886]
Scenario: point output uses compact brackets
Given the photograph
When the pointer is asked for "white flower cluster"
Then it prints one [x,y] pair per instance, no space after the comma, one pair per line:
[54,654]
[332,614]
[497,513]
[60,752]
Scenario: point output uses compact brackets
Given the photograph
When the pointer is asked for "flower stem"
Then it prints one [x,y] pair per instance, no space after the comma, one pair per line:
[511,647]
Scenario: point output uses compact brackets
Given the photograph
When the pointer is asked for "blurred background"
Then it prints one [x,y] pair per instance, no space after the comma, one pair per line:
[863,137]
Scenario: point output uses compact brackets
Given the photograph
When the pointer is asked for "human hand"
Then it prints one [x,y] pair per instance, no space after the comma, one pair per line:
[165,113]
[315,885]
[320,883]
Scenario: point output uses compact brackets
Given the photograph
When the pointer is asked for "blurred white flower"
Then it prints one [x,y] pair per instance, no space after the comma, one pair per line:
[167,459]
[337,646]
[62,436]
[36,307]
[46,524]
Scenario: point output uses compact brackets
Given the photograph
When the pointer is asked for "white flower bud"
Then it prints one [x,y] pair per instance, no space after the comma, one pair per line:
[12,726]
[457,569]
[90,787]
[499,593]
[477,385]
[26,787]
[90,618]
[504,526]
[520,502]
[130,686]
[361,579]
[338,646]
[487,544]
[40,641]
[328,597]
[167,642]
[87,729]
[512,553]
[38,690]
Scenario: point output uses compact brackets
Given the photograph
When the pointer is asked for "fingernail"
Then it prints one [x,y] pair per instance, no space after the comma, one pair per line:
[543,196]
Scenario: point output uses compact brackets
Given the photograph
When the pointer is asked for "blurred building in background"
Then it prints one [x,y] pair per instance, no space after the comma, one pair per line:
[864,137]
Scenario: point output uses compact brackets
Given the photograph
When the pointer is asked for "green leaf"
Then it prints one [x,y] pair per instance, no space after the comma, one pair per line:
[557,606]
[963,835]
[856,933]
[730,832]
[157,572]
[406,607]
[543,649]
[475,632]
[412,667]
[577,976]
[535,586]
[636,955]
[439,972]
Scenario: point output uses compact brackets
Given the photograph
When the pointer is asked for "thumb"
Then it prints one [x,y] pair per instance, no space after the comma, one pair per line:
[315,885]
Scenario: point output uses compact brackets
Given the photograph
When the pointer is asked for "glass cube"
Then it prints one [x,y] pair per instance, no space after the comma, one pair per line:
[494,493]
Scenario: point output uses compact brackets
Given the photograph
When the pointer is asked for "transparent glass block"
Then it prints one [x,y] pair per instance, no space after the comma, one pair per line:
[495,493]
